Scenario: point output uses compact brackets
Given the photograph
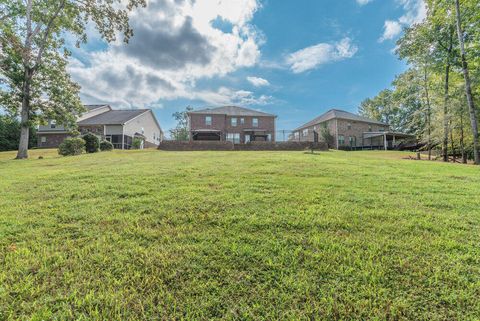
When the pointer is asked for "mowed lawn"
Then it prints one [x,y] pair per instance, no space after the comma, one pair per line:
[238,236]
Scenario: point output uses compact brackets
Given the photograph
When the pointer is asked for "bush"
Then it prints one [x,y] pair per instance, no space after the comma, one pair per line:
[137,142]
[71,146]
[91,143]
[106,146]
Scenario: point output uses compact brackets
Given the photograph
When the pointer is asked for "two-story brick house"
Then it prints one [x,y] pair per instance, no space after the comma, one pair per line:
[348,130]
[231,123]
[119,127]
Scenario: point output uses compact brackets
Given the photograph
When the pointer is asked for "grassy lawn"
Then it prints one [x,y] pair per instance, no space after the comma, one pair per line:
[238,235]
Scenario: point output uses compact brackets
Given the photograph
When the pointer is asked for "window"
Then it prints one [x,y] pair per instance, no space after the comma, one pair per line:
[43,139]
[208,120]
[352,140]
[341,140]
[255,122]
[143,131]
[53,123]
[233,122]
[305,132]
[349,126]
[296,135]
[269,137]
[247,138]
[242,121]
[234,138]
[382,129]
[369,128]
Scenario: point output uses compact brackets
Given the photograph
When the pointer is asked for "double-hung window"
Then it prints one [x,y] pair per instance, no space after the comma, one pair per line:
[341,140]
[233,122]
[254,122]
[208,120]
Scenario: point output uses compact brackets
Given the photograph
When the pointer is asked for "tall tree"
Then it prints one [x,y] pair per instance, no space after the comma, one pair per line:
[180,132]
[33,57]
[468,85]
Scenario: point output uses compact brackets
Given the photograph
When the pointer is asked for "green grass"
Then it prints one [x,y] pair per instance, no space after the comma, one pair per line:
[238,235]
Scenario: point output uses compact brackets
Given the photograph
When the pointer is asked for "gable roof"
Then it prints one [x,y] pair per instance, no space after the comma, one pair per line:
[231,111]
[340,114]
[113,117]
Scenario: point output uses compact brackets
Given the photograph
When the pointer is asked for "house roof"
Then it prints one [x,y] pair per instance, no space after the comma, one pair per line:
[113,117]
[340,114]
[231,111]
[92,107]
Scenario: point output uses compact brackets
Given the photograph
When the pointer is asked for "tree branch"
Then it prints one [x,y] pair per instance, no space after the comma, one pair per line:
[48,28]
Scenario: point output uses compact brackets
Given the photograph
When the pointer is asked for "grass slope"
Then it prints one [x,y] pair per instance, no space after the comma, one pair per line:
[238,235]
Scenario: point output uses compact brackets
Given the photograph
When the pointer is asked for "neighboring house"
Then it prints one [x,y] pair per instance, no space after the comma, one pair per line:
[349,131]
[230,123]
[119,127]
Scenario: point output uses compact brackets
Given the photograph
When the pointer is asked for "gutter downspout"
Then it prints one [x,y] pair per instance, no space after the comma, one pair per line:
[336,132]
[123,137]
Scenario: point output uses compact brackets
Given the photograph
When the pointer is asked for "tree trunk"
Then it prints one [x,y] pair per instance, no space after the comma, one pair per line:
[429,116]
[452,144]
[445,113]
[25,113]
[462,139]
[468,86]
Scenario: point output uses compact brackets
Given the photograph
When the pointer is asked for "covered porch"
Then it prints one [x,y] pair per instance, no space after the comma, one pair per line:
[206,134]
[256,135]
[385,140]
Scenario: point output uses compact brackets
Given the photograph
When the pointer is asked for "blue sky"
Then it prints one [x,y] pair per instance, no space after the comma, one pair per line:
[296,59]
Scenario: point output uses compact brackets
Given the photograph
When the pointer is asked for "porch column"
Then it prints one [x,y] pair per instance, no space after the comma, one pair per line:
[393,141]
[123,138]
[385,141]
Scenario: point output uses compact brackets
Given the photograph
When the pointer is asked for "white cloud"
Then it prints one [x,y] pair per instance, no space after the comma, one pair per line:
[227,96]
[363,2]
[391,30]
[415,12]
[174,46]
[322,53]
[258,82]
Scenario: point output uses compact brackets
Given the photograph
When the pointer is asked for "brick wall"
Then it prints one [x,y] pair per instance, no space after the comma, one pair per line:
[252,146]
[224,124]
[51,140]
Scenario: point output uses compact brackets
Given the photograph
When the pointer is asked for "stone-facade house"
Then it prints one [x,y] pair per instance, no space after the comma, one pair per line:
[231,123]
[349,131]
[119,127]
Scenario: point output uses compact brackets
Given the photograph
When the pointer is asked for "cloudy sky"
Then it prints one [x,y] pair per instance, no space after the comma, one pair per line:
[295,59]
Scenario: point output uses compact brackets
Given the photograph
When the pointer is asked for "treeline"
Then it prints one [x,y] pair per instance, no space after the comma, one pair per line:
[10,133]
[437,98]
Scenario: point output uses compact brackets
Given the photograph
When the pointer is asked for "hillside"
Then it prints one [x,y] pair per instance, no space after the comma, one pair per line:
[238,235]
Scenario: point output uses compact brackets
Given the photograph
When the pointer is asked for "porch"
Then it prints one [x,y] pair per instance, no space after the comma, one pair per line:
[385,140]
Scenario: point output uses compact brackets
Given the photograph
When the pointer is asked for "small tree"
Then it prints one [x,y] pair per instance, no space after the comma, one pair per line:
[71,146]
[180,132]
[136,143]
[92,143]
[326,135]
[10,133]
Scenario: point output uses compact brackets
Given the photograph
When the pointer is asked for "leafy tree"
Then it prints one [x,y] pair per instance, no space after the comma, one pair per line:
[10,133]
[137,143]
[326,135]
[180,132]
[33,57]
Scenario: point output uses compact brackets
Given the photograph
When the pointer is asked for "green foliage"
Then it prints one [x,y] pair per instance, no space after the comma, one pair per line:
[106,146]
[71,146]
[326,135]
[137,143]
[180,132]
[92,143]
[10,133]
[204,236]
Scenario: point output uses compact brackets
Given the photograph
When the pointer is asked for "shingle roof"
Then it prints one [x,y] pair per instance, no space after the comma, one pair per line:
[113,117]
[231,111]
[92,107]
[341,114]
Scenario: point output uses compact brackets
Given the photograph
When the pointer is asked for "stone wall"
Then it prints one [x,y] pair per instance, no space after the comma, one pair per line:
[252,146]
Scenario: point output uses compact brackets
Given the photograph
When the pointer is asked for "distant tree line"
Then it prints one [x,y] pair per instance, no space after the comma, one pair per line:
[437,98]
[10,133]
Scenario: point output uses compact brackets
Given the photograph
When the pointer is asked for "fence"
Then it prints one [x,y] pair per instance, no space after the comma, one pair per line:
[229,146]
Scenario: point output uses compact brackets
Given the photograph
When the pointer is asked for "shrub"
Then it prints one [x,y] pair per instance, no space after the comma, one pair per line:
[71,146]
[137,142]
[106,146]
[91,143]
